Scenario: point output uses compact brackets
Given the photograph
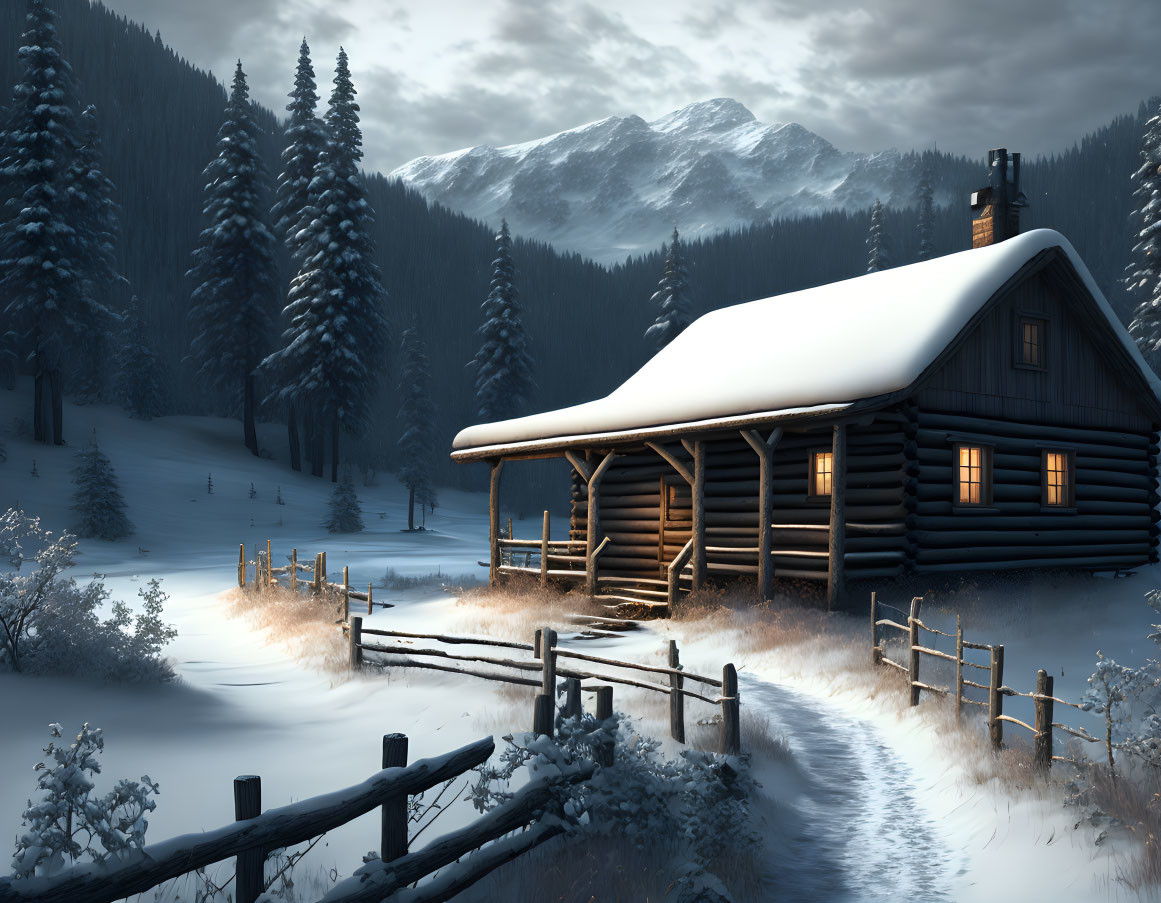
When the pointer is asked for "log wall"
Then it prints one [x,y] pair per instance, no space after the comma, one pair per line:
[1114,523]
[880,460]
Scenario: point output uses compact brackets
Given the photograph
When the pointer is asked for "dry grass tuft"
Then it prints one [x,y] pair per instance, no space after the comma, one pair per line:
[304,624]
[1134,798]
[519,607]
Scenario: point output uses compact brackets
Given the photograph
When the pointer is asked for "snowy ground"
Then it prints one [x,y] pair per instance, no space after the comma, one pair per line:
[877,801]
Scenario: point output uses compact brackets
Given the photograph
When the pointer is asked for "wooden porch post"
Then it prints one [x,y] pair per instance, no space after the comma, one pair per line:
[765,451]
[698,503]
[593,531]
[838,517]
[497,465]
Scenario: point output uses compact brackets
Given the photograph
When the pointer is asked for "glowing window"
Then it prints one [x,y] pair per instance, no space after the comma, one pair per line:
[821,470]
[973,475]
[1030,342]
[1058,479]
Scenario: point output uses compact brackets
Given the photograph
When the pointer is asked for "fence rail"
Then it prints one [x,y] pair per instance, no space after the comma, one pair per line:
[254,833]
[1042,697]
[545,661]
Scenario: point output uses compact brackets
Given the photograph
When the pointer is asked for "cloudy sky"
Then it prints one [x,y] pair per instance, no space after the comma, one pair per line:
[439,75]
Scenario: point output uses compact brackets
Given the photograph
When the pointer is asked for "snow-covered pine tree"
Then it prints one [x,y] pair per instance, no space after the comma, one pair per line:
[926,226]
[878,244]
[97,497]
[41,263]
[416,424]
[334,347]
[137,383]
[235,268]
[503,364]
[1143,274]
[346,515]
[95,217]
[306,139]
[672,297]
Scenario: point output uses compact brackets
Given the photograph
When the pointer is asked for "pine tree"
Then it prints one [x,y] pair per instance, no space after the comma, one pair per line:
[97,498]
[137,383]
[416,424]
[306,138]
[926,226]
[95,217]
[672,297]
[503,364]
[1143,274]
[346,515]
[234,267]
[878,244]
[42,258]
[335,343]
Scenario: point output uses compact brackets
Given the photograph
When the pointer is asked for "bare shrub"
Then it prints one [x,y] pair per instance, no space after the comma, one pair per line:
[303,623]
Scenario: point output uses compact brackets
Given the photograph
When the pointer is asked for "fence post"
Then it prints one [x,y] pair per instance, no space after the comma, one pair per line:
[958,668]
[369,603]
[356,637]
[605,749]
[676,697]
[730,739]
[876,652]
[318,573]
[1043,742]
[346,594]
[913,639]
[294,570]
[323,556]
[393,830]
[544,710]
[269,566]
[536,644]
[242,565]
[248,882]
[996,698]
[257,569]
[572,698]
[545,534]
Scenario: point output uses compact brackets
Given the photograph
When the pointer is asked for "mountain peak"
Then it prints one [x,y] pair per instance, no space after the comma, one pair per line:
[716,115]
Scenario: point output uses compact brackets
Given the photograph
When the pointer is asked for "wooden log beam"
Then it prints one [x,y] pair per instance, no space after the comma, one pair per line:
[497,465]
[837,536]
[697,504]
[593,523]
[765,451]
[584,471]
[674,462]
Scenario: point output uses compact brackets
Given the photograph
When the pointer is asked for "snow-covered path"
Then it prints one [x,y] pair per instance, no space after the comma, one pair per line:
[864,836]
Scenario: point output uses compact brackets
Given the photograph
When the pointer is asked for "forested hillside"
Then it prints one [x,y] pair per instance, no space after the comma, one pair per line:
[160,115]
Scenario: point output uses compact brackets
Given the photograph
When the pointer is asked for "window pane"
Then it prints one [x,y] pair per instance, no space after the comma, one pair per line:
[822,473]
[970,475]
[1057,479]
[1031,342]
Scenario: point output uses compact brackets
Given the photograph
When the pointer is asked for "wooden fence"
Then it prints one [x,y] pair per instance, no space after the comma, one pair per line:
[544,661]
[266,577]
[1042,696]
[254,833]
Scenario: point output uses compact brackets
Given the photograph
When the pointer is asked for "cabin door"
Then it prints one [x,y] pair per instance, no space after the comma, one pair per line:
[676,524]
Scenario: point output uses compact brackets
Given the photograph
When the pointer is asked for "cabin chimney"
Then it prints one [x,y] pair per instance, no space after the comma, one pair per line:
[996,209]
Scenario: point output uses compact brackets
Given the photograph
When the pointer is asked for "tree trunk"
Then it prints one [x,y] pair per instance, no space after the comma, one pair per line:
[56,387]
[38,407]
[316,447]
[248,414]
[308,434]
[411,510]
[335,447]
[292,437]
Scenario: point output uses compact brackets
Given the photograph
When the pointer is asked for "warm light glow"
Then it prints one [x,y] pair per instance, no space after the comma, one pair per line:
[821,473]
[1056,478]
[970,475]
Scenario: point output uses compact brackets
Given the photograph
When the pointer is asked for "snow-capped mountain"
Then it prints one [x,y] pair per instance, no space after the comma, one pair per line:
[620,185]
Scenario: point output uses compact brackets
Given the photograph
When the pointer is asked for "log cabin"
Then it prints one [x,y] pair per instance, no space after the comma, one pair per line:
[981,411]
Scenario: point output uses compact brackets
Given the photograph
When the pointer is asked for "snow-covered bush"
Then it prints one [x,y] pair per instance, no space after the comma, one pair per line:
[699,802]
[97,498]
[1130,700]
[346,515]
[52,624]
[69,822]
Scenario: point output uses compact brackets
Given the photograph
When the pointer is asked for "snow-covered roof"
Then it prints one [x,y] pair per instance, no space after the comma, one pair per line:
[812,351]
